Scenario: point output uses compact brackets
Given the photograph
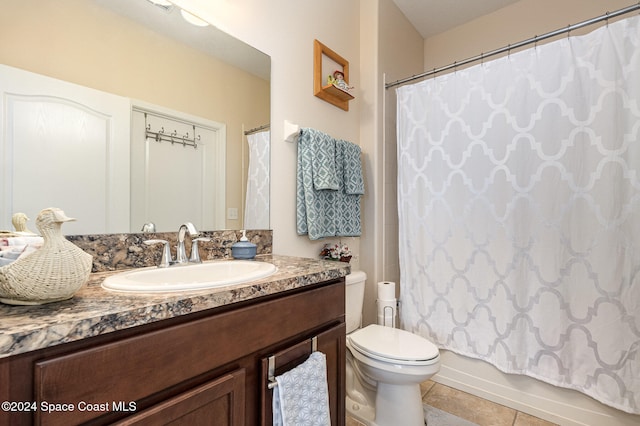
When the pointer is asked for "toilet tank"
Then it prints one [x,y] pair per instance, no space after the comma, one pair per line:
[354,299]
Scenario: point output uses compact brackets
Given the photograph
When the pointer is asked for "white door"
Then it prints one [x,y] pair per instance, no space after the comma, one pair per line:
[66,146]
[172,183]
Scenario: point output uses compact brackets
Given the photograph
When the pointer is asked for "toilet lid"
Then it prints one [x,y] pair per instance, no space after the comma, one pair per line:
[392,343]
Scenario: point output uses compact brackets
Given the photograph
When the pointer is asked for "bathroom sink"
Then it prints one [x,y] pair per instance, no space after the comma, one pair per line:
[191,277]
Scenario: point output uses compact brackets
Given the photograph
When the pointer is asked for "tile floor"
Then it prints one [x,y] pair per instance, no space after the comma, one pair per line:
[471,408]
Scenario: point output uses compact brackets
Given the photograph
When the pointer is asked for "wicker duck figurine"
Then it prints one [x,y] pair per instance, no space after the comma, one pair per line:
[19,221]
[52,273]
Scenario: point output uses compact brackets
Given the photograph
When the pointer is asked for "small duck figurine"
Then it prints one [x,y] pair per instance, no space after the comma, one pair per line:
[19,221]
[52,273]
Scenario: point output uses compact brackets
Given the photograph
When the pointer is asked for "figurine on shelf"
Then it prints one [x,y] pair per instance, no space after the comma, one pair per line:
[337,79]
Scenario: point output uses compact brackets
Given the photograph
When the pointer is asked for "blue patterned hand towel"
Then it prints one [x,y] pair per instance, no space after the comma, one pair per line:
[324,213]
[348,203]
[301,397]
[315,209]
[352,168]
[322,148]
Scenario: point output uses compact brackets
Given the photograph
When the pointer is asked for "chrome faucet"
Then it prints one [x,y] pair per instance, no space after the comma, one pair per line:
[181,253]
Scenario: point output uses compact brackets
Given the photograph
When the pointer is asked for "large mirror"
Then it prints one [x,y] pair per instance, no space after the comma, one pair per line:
[152,57]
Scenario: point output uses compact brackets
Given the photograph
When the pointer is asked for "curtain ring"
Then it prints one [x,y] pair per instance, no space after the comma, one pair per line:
[607,19]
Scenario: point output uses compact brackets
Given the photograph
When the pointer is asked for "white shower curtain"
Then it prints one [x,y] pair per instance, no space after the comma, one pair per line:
[256,211]
[519,212]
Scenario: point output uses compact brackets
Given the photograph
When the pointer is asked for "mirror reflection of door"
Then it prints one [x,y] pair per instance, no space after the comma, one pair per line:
[171,182]
[139,51]
[69,146]
[64,146]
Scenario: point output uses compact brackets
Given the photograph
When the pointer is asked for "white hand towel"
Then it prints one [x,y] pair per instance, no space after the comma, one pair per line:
[301,397]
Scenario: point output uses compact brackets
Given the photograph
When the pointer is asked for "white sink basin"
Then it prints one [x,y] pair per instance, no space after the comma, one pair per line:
[192,277]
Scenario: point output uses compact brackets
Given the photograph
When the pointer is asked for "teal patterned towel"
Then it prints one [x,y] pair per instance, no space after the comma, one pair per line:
[326,212]
[323,160]
[352,186]
[302,394]
[316,209]
[352,176]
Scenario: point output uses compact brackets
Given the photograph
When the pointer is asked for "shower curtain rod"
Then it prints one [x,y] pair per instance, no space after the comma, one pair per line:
[256,129]
[509,47]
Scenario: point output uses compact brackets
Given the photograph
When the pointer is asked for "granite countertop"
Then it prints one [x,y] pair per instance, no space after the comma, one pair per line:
[94,311]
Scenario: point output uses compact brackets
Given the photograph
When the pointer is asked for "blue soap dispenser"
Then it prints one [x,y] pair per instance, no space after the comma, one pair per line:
[243,249]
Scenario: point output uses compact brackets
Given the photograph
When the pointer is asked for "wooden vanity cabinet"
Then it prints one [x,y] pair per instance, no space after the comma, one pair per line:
[205,368]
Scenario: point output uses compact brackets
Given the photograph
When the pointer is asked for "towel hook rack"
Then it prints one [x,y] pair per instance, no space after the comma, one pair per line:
[271,375]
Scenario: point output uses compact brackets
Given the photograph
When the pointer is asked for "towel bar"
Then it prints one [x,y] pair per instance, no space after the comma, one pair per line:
[272,364]
[291,131]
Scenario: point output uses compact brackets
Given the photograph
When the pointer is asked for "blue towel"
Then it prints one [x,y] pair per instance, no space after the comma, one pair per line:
[349,166]
[352,171]
[323,160]
[316,209]
[327,212]
[302,394]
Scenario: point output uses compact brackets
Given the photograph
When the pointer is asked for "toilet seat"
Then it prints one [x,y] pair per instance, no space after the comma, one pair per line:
[394,346]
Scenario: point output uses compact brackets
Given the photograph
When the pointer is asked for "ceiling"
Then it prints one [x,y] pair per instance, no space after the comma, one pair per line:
[431,17]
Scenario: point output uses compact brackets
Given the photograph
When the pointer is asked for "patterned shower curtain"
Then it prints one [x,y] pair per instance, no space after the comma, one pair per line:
[519,212]
[256,210]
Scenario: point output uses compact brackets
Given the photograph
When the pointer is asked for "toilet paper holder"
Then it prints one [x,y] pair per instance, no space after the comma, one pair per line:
[391,316]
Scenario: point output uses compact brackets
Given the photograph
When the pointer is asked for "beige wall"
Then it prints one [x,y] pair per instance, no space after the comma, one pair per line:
[400,55]
[366,33]
[511,24]
[77,41]
[520,21]
[377,40]
[285,30]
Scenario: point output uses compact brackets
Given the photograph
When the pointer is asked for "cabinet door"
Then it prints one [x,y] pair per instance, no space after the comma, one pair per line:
[333,344]
[215,403]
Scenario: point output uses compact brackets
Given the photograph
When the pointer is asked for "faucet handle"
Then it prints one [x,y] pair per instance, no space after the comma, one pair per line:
[195,253]
[166,252]
[149,227]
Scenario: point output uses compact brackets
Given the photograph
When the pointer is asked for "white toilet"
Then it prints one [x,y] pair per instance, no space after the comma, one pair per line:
[385,366]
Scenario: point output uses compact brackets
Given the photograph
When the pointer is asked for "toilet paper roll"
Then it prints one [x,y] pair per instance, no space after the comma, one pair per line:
[386,290]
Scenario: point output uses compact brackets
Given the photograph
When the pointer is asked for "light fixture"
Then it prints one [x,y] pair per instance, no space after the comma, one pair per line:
[162,4]
[192,19]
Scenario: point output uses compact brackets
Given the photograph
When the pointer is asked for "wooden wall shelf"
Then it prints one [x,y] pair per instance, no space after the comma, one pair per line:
[329,93]
[338,93]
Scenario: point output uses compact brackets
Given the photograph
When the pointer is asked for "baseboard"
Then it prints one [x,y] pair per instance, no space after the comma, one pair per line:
[561,406]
